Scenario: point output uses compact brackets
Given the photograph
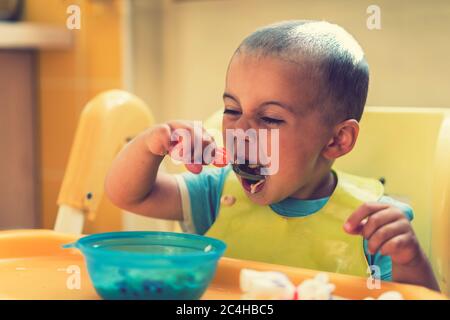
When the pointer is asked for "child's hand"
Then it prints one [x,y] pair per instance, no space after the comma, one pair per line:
[387,230]
[163,139]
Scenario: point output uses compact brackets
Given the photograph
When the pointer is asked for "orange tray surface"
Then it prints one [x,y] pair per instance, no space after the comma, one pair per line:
[34,266]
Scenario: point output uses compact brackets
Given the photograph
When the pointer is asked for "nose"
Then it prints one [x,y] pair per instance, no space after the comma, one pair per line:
[242,123]
[242,141]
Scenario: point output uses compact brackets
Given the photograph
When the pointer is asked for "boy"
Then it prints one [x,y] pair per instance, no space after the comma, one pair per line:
[309,81]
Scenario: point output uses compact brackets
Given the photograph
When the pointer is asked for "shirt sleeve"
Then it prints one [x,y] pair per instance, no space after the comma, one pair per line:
[384,263]
[200,198]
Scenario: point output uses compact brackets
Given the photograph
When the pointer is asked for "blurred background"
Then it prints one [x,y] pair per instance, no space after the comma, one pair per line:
[173,54]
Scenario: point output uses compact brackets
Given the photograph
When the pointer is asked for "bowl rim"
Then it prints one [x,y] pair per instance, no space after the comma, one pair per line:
[84,245]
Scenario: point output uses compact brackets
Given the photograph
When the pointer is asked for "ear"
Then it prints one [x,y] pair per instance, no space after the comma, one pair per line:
[343,139]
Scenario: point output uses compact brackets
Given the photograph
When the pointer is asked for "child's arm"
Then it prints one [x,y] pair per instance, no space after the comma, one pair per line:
[134,183]
[389,231]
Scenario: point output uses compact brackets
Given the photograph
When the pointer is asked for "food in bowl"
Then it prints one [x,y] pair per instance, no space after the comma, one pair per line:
[150,265]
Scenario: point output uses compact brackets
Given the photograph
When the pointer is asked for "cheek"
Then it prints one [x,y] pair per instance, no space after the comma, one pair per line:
[297,154]
[292,148]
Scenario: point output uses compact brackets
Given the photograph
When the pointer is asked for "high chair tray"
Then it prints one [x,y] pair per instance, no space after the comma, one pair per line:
[33,265]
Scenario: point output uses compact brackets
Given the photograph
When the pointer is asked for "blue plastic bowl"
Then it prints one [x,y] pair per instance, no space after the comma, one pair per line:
[150,265]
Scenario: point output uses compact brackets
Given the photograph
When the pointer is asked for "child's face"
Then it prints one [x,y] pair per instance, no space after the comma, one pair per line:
[270,93]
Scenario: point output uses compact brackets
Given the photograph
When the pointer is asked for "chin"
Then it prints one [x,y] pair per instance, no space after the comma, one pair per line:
[262,198]
[259,200]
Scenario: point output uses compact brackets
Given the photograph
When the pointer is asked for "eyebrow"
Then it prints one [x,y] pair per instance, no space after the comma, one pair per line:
[230,96]
[266,103]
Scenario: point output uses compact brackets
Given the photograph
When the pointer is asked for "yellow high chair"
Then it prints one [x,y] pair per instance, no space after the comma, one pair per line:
[106,124]
[34,266]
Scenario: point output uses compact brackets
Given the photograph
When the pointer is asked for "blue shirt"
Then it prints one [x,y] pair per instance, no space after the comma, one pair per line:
[201,195]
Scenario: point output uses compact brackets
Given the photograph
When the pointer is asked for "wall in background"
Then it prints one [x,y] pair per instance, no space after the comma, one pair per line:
[147,37]
[67,80]
[18,168]
[181,73]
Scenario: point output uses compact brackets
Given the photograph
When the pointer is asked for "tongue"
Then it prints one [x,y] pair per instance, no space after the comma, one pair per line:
[255,187]
[252,186]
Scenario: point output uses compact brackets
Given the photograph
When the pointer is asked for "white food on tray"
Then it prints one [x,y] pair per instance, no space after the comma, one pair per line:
[317,288]
[265,285]
[272,285]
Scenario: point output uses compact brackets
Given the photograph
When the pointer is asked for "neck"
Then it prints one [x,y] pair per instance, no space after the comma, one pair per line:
[321,187]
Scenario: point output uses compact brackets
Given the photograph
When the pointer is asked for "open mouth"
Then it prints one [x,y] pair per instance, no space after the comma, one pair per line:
[252,179]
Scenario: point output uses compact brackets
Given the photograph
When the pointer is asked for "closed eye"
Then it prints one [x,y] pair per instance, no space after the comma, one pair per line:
[231,112]
[272,120]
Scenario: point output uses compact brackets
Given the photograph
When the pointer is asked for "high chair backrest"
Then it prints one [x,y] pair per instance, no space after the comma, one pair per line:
[398,146]
[409,149]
